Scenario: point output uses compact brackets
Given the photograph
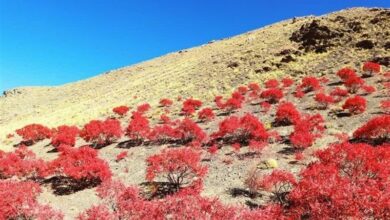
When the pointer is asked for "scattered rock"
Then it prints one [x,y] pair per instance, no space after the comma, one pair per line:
[11,92]
[385,61]
[287,59]
[365,44]
[233,65]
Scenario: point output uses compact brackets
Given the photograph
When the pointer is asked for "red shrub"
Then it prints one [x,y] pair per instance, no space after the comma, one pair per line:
[271,83]
[368,89]
[163,134]
[242,90]
[64,135]
[265,106]
[213,149]
[122,155]
[307,130]
[254,90]
[165,119]
[233,103]
[19,201]
[355,105]
[126,203]
[323,100]
[370,67]
[101,133]
[338,94]
[241,130]
[22,164]
[98,212]
[346,73]
[310,83]
[279,182]
[272,95]
[121,110]
[218,102]
[206,114]
[299,93]
[183,131]
[385,106]
[33,133]
[143,108]
[376,130]
[166,102]
[189,131]
[81,164]
[138,128]
[348,182]
[179,166]
[190,106]
[354,84]
[287,114]
[287,82]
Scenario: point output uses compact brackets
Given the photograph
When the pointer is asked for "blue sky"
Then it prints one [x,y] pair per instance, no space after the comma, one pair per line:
[55,42]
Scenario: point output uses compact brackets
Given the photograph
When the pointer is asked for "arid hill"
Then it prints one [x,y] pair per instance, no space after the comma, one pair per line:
[299,46]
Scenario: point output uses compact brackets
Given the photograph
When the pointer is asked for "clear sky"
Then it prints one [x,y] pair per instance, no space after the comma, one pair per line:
[54,42]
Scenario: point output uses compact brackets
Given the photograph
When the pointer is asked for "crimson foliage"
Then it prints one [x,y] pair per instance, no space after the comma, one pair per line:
[370,67]
[309,83]
[338,94]
[22,164]
[19,201]
[355,105]
[138,128]
[376,130]
[33,133]
[82,164]
[206,114]
[287,114]
[179,166]
[306,130]
[64,135]
[271,83]
[241,130]
[121,110]
[272,95]
[323,100]
[190,106]
[101,133]
[350,181]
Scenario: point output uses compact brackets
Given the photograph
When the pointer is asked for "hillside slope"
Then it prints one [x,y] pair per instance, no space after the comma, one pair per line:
[307,45]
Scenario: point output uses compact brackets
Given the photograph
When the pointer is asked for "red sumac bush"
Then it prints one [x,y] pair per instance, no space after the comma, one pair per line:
[33,133]
[81,164]
[121,110]
[375,131]
[22,164]
[271,83]
[64,135]
[272,95]
[180,167]
[323,100]
[287,114]
[350,181]
[166,102]
[241,130]
[206,114]
[19,200]
[101,133]
[355,105]
[370,67]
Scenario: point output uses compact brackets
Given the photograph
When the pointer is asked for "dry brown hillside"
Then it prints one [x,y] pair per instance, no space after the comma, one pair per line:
[307,45]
